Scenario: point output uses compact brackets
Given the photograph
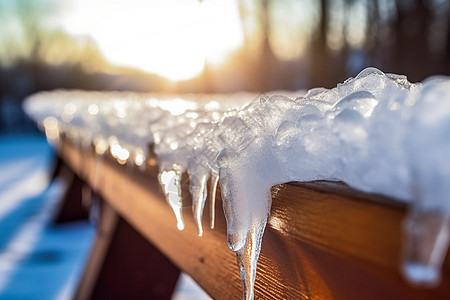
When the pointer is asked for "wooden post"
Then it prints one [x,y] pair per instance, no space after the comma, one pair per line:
[76,201]
[124,265]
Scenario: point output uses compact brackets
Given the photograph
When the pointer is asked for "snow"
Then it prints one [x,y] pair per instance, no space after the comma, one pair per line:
[40,260]
[17,181]
[37,260]
[188,289]
[377,132]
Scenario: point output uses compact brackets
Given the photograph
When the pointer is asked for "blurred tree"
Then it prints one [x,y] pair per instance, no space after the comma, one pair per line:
[409,37]
[320,61]
[411,30]
[34,57]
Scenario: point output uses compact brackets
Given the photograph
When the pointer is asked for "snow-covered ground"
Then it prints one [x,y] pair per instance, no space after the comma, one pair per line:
[40,260]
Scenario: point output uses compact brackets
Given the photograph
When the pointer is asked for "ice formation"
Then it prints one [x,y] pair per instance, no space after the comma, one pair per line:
[376,132]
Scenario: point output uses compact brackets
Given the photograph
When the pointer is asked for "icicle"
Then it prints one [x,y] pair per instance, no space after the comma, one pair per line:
[246,206]
[139,158]
[236,212]
[197,187]
[52,131]
[427,237]
[170,181]
[212,194]
[247,257]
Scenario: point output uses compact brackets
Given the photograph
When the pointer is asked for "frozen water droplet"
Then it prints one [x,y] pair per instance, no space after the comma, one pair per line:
[369,71]
[312,93]
[400,79]
[427,237]
[235,134]
[170,181]
[286,132]
[362,101]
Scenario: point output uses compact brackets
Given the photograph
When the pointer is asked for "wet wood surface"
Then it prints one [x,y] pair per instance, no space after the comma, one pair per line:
[323,240]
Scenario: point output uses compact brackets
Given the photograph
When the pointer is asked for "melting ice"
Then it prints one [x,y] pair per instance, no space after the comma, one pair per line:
[377,132]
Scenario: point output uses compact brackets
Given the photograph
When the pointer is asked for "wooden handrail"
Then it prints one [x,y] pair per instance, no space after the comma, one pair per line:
[323,240]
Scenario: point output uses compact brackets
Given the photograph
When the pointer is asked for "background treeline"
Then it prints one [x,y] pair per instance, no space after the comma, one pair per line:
[288,44]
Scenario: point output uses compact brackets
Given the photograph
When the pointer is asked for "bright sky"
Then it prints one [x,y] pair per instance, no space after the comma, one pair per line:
[172,38]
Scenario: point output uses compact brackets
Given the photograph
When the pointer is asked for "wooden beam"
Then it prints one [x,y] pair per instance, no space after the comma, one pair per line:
[73,206]
[124,265]
[323,240]
[105,232]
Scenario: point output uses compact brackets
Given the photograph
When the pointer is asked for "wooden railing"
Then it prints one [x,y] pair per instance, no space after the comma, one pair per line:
[323,241]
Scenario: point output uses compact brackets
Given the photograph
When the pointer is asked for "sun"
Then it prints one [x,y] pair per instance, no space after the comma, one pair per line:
[171,38]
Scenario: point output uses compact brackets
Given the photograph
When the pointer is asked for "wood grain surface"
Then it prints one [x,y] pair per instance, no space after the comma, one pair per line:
[323,240]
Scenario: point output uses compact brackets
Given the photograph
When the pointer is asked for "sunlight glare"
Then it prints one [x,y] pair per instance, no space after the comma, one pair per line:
[172,38]
[177,106]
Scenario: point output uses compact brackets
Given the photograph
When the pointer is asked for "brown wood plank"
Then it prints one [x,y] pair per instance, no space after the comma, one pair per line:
[134,269]
[321,242]
[105,233]
[73,206]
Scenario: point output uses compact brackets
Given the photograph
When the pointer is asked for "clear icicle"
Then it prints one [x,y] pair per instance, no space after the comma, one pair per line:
[246,206]
[198,189]
[139,158]
[236,213]
[212,194]
[170,181]
[247,257]
[427,237]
